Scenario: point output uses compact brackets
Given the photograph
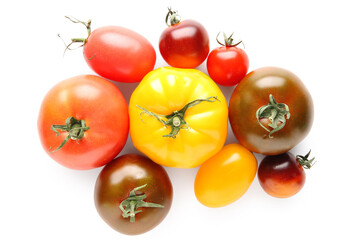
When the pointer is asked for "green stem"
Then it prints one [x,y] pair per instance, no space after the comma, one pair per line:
[275,112]
[75,129]
[130,205]
[176,120]
[304,160]
[172,18]
[78,40]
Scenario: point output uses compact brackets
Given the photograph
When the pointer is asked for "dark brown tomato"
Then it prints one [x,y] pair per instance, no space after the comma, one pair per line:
[281,176]
[253,95]
[116,183]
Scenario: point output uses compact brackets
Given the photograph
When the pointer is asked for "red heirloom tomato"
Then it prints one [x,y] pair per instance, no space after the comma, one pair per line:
[117,53]
[270,111]
[227,65]
[133,194]
[83,122]
[184,44]
[283,175]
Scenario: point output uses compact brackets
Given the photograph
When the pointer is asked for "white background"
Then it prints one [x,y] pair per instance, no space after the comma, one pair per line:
[317,40]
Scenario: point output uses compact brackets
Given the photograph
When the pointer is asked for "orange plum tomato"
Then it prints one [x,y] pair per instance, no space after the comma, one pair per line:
[226,176]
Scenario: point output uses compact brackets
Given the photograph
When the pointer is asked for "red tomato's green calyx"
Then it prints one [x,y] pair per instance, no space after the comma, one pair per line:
[304,161]
[228,41]
[172,17]
[75,128]
[78,40]
[275,112]
[176,119]
[130,205]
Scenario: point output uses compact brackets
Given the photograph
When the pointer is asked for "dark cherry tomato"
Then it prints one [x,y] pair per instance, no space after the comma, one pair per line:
[184,44]
[133,194]
[229,64]
[270,111]
[283,175]
[117,53]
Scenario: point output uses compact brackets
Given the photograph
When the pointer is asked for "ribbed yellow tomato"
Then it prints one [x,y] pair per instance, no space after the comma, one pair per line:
[226,176]
[178,117]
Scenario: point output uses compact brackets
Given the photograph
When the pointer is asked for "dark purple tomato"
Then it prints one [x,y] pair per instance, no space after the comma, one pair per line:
[133,194]
[283,175]
[184,44]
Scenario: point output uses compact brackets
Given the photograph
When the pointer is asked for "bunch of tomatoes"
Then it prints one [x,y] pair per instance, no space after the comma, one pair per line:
[177,117]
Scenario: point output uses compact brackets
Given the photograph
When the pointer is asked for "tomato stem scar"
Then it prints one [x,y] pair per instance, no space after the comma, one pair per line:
[130,205]
[75,129]
[176,119]
[275,112]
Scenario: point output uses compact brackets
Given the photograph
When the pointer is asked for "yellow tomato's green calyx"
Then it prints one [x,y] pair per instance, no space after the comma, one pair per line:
[75,129]
[229,41]
[176,120]
[130,205]
[78,40]
[172,17]
[304,160]
[275,112]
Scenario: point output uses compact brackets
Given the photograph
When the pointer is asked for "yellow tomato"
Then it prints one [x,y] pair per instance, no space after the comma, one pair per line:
[226,176]
[178,117]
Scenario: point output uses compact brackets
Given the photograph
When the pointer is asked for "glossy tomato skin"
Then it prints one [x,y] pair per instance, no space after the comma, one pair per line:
[101,105]
[227,66]
[253,92]
[226,176]
[119,54]
[184,45]
[119,178]
[281,176]
[164,91]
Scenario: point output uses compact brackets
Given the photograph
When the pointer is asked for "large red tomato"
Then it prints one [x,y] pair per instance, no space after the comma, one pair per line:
[83,122]
[270,111]
[184,44]
[117,53]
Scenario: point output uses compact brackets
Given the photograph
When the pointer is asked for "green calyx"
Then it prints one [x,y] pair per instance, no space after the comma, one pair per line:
[228,41]
[130,205]
[78,40]
[304,160]
[176,120]
[75,129]
[275,112]
[172,17]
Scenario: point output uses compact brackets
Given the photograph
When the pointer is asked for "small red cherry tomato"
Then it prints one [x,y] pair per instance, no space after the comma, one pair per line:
[117,53]
[133,194]
[283,175]
[229,64]
[184,44]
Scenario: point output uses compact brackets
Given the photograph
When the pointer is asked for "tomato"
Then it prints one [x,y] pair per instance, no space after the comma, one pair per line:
[133,194]
[270,111]
[178,117]
[117,53]
[184,44]
[83,122]
[226,176]
[229,64]
[283,175]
